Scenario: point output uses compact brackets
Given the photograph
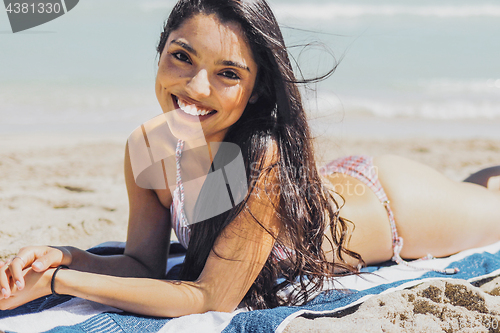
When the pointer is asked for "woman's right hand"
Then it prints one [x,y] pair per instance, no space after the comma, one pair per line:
[39,258]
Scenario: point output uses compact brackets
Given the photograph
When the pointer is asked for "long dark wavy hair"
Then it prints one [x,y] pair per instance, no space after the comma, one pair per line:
[305,206]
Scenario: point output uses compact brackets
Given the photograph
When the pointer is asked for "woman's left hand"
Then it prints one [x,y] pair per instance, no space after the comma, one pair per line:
[36,286]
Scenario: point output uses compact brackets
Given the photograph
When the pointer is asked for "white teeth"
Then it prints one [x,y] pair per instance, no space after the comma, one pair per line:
[191,109]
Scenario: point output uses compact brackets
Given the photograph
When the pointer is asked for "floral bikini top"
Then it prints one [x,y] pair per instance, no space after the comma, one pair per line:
[178,216]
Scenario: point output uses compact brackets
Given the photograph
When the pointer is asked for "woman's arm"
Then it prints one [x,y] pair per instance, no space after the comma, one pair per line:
[146,250]
[148,236]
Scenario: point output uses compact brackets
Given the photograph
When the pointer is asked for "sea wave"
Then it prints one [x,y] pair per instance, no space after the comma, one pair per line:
[477,86]
[438,110]
[318,11]
[418,105]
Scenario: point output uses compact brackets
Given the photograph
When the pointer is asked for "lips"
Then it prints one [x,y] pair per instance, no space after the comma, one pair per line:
[192,109]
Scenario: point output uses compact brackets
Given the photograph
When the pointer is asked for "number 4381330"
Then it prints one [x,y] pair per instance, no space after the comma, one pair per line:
[41,8]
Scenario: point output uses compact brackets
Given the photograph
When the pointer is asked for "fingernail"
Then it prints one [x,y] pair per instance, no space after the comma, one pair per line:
[18,284]
[4,292]
[38,265]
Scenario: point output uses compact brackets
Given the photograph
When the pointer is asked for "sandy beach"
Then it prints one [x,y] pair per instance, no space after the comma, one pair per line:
[61,190]
[70,190]
[417,78]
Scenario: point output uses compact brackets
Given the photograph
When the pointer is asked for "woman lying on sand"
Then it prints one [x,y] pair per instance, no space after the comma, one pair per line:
[224,65]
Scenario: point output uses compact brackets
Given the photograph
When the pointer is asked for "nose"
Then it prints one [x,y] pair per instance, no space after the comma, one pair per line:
[199,85]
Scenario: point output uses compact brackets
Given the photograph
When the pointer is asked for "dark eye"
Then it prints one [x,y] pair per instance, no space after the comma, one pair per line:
[230,75]
[181,56]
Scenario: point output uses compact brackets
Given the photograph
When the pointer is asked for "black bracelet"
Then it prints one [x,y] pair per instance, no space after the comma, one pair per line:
[53,280]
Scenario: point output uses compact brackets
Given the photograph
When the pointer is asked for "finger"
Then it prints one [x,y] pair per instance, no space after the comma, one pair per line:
[31,254]
[22,260]
[51,258]
[16,270]
[4,281]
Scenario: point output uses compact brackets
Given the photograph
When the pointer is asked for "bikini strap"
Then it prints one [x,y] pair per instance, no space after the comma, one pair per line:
[400,261]
[397,246]
[180,187]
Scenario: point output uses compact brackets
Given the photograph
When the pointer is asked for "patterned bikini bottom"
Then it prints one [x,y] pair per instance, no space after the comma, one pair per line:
[361,167]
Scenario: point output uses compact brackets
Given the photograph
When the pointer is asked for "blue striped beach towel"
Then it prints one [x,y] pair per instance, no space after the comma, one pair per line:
[67,314]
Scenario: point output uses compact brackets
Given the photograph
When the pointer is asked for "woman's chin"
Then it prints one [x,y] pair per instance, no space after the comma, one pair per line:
[186,131]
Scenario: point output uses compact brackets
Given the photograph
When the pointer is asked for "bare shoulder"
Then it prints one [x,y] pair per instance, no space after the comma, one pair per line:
[163,195]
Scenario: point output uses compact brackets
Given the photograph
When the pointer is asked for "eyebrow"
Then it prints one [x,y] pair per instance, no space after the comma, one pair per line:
[221,62]
[185,45]
[233,64]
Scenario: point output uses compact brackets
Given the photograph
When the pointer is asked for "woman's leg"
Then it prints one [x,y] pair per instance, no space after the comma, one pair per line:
[435,214]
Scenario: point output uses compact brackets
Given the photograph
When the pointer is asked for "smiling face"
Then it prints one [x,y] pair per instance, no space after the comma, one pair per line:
[206,76]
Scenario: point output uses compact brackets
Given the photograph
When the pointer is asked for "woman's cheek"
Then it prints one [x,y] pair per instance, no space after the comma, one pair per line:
[237,98]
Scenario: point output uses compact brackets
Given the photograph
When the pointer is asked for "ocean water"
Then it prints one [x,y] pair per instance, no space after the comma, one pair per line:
[93,69]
